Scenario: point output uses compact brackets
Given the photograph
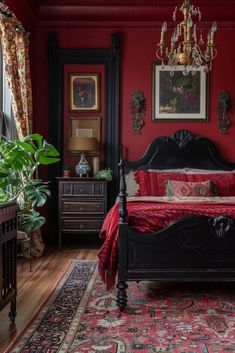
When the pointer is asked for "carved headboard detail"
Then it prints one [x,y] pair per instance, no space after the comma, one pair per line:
[182,150]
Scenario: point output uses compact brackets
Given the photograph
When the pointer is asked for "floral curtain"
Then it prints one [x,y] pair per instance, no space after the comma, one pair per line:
[15,45]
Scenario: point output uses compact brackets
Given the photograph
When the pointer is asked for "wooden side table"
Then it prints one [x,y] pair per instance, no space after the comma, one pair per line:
[82,205]
[8,255]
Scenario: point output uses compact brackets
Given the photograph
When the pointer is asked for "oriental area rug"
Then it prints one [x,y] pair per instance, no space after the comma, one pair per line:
[81,317]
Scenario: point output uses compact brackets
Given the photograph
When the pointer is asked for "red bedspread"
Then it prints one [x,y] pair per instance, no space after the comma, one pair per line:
[149,217]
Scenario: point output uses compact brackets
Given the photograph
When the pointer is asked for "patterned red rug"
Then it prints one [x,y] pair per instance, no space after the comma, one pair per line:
[81,317]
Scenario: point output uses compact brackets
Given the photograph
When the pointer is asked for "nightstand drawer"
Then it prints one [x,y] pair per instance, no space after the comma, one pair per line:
[83,188]
[81,224]
[88,207]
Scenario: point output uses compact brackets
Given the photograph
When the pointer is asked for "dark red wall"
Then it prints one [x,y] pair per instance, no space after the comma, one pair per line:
[138,46]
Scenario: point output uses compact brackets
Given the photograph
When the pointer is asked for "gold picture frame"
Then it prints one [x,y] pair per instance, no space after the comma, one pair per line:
[84,92]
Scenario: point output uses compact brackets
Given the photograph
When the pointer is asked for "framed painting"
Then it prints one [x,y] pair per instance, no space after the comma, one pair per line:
[84,91]
[179,97]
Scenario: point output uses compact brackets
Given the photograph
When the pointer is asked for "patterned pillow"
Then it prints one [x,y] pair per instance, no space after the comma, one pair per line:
[185,188]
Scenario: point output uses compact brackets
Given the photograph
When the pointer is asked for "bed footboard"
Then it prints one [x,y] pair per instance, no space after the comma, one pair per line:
[197,248]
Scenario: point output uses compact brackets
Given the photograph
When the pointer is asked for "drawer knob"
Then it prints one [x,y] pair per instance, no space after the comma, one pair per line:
[82,190]
[81,208]
[81,226]
[66,207]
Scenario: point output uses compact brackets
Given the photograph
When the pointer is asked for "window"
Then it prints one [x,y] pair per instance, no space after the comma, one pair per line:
[7,122]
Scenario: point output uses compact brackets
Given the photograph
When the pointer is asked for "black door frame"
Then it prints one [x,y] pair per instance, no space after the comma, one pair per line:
[57,58]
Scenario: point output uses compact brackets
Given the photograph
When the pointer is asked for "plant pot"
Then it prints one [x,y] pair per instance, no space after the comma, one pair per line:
[66,173]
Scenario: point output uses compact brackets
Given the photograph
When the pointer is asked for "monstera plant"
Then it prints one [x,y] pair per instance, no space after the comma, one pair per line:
[19,162]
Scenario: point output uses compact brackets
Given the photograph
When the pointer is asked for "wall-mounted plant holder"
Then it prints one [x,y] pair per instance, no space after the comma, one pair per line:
[224,111]
[138,108]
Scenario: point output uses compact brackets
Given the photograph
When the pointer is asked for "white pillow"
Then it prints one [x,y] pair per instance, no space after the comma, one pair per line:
[206,171]
[131,185]
[191,171]
[176,170]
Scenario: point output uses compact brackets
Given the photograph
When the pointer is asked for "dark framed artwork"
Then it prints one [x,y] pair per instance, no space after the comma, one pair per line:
[179,97]
[84,91]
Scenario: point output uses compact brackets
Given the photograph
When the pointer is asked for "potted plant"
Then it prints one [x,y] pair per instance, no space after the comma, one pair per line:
[19,160]
[105,174]
[66,171]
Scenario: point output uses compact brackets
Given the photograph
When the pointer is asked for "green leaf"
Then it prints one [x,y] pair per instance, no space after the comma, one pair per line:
[3,196]
[32,221]
[34,138]
[48,154]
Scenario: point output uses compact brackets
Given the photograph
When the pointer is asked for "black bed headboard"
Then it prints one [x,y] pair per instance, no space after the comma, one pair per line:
[182,150]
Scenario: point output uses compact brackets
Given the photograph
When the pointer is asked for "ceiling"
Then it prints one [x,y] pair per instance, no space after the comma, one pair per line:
[125,10]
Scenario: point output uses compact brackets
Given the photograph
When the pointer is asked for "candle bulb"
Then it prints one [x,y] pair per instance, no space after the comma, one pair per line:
[209,38]
[164,28]
[213,30]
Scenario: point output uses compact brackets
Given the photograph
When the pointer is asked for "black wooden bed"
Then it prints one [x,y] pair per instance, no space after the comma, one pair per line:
[201,249]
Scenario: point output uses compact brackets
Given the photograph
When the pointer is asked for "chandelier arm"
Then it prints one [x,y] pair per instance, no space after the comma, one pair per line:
[158,56]
[214,52]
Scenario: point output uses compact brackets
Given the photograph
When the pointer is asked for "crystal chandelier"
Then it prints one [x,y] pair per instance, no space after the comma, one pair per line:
[187,46]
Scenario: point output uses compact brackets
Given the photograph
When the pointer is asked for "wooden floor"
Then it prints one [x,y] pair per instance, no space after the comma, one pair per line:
[34,285]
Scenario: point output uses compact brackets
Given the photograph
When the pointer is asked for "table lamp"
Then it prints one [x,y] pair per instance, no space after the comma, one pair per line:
[82,144]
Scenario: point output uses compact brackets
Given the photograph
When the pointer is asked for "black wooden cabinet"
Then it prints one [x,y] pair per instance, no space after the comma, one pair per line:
[82,205]
[8,251]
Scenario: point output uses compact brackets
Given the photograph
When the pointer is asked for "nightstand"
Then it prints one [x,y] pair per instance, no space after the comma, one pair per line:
[82,205]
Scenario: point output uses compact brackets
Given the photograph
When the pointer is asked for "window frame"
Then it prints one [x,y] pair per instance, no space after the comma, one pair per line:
[7,121]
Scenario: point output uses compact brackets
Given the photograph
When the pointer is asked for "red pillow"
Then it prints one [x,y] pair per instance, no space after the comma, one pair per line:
[187,188]
[154,183]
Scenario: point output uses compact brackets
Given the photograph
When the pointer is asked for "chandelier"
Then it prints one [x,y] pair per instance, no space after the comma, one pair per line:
[187,46]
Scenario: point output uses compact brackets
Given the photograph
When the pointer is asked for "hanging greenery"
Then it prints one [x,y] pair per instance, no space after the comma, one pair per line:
[137,109]
[224,111]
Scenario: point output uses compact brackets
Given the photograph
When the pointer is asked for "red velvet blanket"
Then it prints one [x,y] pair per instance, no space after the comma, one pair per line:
[149,217]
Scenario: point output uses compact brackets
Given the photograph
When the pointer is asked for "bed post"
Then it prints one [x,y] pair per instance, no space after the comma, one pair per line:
[122,189]
[122,286]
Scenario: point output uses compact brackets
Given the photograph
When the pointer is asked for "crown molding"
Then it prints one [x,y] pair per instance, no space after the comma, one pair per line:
[117,14]
[142,12]
[127,3]
[119,25]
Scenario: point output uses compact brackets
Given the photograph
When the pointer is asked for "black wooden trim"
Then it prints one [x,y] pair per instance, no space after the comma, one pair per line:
[58,57]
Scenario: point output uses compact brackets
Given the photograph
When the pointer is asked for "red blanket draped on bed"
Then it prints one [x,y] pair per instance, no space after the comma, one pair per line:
[148,217]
